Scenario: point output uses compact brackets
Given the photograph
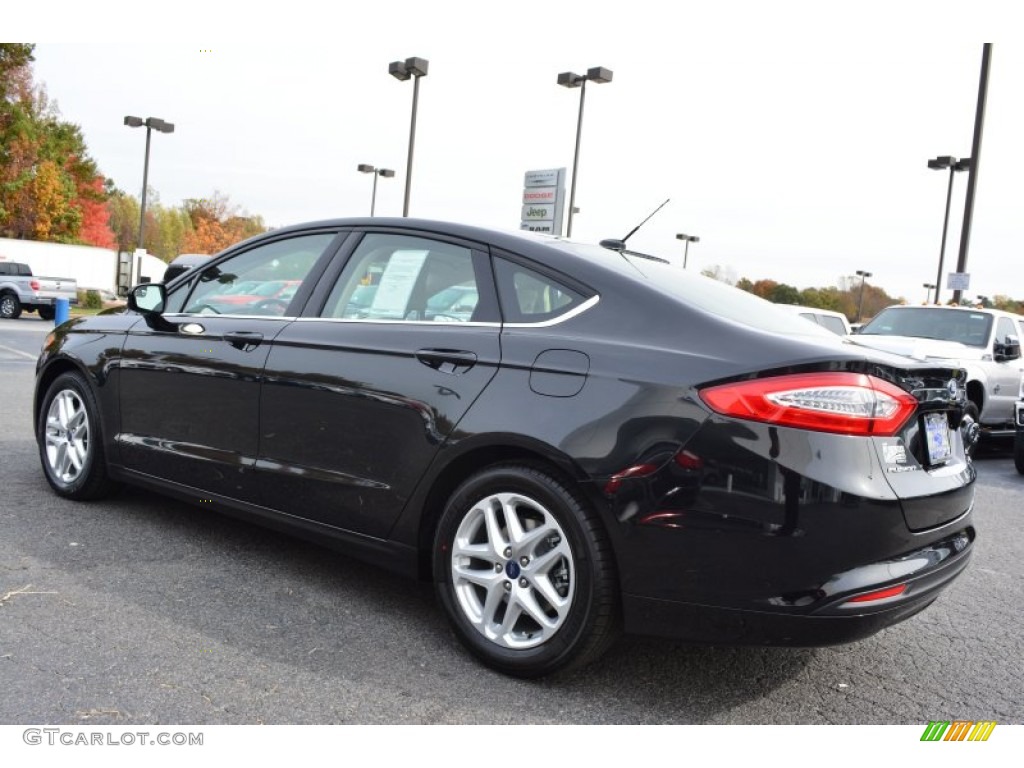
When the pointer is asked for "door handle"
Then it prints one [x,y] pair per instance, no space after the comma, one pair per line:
[453,361]
[243,340]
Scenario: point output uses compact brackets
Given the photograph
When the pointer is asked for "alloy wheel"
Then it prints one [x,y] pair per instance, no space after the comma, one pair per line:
[67,436]
[512,571]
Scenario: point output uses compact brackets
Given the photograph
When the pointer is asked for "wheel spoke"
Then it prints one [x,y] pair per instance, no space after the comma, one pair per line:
[509,505]
[543,562]
[543,585]
[62,410]
[490,607]
[61,462]
[532,609]
[494,535]
[77,421]
[512,614]
[483,578]
[75,456]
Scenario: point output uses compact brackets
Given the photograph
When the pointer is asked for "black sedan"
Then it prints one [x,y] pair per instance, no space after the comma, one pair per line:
[569,440]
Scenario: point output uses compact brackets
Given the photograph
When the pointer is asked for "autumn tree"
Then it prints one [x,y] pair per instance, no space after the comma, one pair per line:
[50,189]
[217,224]
[95,229]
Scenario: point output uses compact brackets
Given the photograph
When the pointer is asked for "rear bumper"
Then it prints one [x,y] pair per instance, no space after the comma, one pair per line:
[48,301]
[829,620]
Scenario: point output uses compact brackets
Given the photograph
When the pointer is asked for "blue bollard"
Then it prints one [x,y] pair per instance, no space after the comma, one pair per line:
[61,311]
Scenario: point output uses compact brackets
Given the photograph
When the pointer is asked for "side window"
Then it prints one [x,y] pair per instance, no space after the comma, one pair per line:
[1004,328]
[260,281]
[527,296]
[834,324]
[400,277]
[176,298]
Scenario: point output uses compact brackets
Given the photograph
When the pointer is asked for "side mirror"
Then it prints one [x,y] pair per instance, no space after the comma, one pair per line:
[1008,350]
[147,299]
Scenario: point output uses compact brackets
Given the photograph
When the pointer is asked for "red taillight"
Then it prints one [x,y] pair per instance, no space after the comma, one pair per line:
[881,594]
[845,403]
[33,284]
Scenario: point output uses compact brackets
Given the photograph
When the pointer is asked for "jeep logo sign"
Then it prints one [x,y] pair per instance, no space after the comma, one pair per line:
[543,201]
[538,213]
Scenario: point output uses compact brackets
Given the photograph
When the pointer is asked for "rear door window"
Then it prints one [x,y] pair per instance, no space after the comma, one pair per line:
[528,296]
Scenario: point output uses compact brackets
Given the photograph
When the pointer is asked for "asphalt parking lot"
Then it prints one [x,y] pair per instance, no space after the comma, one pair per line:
[144,610]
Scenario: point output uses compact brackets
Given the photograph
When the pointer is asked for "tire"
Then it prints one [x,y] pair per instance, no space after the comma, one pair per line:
[970,429]
[47,313]
[534,597]
[10,306]
[70,440]
[1018,450]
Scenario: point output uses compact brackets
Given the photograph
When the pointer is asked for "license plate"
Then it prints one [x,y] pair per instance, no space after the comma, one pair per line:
[936,428]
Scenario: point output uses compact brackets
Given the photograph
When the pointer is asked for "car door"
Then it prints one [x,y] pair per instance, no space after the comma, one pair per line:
[190,378]
[359,396]
[1005,374]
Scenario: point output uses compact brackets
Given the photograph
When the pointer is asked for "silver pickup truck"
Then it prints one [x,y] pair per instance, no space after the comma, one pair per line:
[984,342]
[21,291]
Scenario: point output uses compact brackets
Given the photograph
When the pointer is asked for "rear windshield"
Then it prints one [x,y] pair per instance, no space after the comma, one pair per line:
[712,296]
[965,327]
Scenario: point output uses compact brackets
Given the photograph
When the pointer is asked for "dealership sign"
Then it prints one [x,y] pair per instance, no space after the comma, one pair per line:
[543,201]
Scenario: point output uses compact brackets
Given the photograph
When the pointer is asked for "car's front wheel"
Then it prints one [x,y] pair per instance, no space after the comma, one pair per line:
[525,572]
[70,444]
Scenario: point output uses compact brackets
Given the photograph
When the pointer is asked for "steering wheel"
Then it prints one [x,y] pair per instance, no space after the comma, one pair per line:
[275,306]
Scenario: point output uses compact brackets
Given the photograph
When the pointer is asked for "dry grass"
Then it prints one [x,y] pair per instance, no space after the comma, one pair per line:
[8,596]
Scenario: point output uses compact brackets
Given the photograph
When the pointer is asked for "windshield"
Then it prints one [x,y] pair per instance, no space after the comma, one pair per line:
[961,326]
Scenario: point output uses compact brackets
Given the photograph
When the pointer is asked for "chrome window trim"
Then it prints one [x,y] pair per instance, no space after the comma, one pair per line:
[385,321]
[593,300]
[207,315]
[578,310]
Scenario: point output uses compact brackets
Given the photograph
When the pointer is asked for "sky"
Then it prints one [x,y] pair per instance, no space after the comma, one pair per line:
[791,137]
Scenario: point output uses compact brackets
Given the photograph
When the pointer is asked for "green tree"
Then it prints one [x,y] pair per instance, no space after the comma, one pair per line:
[784,294]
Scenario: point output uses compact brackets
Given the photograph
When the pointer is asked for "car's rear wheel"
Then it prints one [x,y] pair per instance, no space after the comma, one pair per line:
[524,570]
[1018,450]
[70,443]
[47,313]
[10,307]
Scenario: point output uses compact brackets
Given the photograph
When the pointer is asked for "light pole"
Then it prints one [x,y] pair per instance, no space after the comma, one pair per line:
[928,292]
[387,173]
[860,304]
[403,70]
[151,123]
[572,80]
[686,252]
[937,164]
